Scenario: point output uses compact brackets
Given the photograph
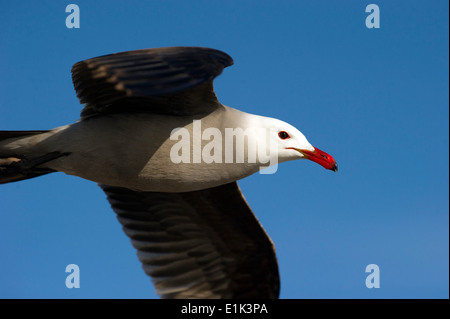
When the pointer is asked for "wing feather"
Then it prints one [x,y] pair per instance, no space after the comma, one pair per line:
[202,244]
[173,80]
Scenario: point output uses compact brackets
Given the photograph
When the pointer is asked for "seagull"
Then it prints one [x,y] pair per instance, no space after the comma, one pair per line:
[193,230]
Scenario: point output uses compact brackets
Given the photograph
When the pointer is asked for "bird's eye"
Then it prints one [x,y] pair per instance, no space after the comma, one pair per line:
[325,157]
[283,135]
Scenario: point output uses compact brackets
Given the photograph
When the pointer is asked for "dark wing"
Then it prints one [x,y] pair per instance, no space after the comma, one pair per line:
[201,244]
[173,80]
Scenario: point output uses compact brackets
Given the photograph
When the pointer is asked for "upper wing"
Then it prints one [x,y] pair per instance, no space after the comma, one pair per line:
[201,244]
[173,80]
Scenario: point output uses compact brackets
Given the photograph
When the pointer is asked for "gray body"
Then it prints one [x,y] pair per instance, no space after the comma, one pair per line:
[133,151]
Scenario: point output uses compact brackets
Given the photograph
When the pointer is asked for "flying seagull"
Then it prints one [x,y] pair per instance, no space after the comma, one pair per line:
[194,232]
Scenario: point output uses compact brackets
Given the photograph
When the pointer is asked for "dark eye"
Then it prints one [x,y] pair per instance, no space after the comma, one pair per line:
[324,156]
[283,135]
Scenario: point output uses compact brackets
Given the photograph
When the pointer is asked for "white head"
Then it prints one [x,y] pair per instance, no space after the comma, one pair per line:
[290,144]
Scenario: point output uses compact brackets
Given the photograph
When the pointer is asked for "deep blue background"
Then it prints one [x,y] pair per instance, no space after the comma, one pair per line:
[376,99]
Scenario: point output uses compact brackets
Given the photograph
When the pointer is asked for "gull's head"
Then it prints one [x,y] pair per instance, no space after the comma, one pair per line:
[291,144]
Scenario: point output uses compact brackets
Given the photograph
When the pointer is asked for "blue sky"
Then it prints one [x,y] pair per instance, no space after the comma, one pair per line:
[376,99]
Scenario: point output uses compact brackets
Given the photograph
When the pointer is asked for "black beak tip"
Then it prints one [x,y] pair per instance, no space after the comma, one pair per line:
[335,168]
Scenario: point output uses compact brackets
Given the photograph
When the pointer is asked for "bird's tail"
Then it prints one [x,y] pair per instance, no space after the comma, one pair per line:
[16,166]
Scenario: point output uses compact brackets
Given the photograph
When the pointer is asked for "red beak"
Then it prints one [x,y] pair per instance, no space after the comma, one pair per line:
[321,158]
